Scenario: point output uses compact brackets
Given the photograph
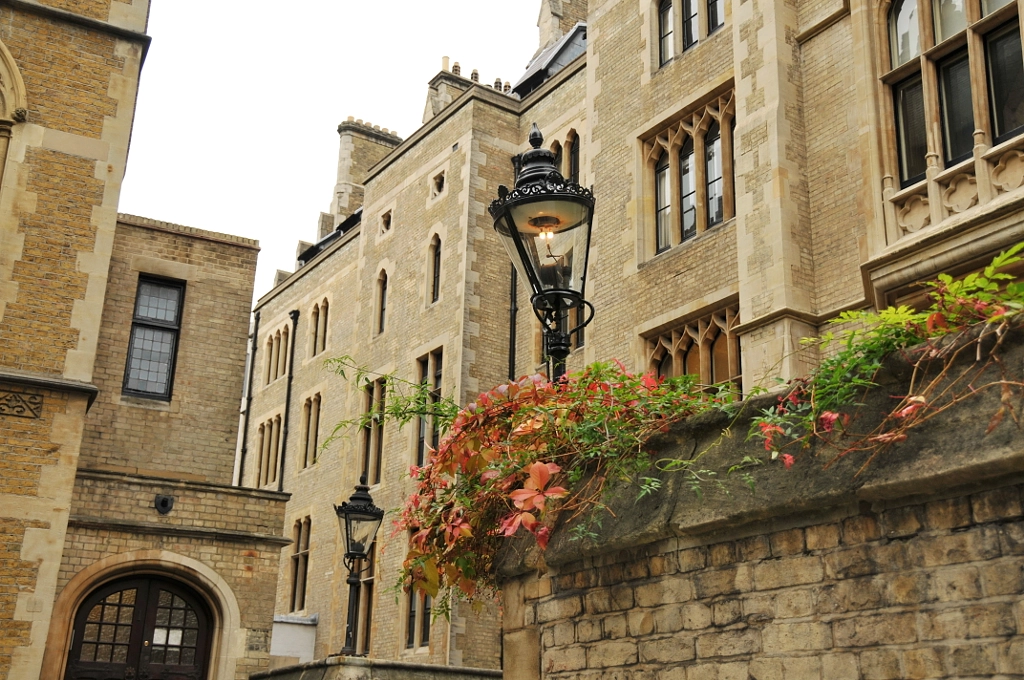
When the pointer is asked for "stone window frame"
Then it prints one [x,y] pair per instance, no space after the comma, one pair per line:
[275,354]
[380,305]
[435,268]
[374,394]
[429,371]
[669,139]
[680,13]
[947,187]
[417,612]
[299,563]
[700,331]
[367,570]
[269,442]
[319,323]
[141,323]
[309,433]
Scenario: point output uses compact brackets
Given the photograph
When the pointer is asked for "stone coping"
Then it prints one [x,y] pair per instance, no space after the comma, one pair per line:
[361,668]
[951,455]
[169,482]
[158,225]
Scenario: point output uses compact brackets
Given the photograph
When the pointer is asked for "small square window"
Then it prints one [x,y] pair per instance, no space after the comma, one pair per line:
[437,185]
[385,222]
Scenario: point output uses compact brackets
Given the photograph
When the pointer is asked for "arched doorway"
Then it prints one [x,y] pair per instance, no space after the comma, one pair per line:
[141,628]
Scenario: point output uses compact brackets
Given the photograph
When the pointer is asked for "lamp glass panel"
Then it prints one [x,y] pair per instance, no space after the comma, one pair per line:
[554,236]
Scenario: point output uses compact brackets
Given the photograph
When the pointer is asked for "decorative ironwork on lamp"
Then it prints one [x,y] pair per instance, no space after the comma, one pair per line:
[359,520]
[545,224]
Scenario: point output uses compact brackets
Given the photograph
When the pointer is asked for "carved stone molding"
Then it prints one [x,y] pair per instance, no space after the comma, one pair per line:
[914,214]
[1009,172]
[961,194]
[20,404]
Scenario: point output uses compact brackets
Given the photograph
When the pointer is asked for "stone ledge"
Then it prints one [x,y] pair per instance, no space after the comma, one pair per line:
[361,668]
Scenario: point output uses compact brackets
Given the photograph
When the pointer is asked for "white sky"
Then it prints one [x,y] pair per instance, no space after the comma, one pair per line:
[236,125]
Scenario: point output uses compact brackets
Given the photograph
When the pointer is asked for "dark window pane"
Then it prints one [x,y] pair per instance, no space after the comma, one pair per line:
[665,366]
[690,23]
[716,14]
[158,303]
[713,147]
[188,657]
[158,655]
[663,203]
[688,190]
[665,21]
[1006,83]
[88,652]
[149,365]
[910,130]
[425,617]
[410,628]
[957,114]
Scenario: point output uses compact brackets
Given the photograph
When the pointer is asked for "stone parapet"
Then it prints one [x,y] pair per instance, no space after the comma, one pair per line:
[353,668]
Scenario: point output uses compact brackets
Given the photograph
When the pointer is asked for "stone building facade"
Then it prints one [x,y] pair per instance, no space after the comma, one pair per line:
[122,345]
[758,168]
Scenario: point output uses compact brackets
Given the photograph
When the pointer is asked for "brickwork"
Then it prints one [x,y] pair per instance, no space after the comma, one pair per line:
[15,574]
[37,328]
[94,9]
[926,590]
[210,362]
[28,444]
[43,47]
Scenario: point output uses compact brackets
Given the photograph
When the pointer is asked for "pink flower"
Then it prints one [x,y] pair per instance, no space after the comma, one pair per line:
[787,460]
[827,420]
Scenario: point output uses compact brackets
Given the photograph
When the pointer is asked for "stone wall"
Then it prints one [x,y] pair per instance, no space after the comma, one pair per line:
[913,569]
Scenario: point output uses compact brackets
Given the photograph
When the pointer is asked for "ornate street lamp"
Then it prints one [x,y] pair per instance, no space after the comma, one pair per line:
[544,224]
[359,519]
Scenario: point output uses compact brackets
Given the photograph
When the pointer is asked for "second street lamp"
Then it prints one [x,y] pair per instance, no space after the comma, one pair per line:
[359,519]
[545,224]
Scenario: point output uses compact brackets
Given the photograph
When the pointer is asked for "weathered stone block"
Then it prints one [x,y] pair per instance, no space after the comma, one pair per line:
[991,506]
[780,638]
[883,629]
[880,664]
[611,654]
[664,591]
[790,571]
[722,581]
[965,660]
[840,667]
[566,607]
[822,536]
[903,522]
[728,643]
[564,659]
[860,530]
[922,663]
[790,542]
[667,650]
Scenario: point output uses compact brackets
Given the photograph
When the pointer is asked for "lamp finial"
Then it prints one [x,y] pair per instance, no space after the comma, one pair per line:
[536,138]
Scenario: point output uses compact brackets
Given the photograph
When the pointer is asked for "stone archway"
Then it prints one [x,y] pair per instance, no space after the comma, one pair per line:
[226,634]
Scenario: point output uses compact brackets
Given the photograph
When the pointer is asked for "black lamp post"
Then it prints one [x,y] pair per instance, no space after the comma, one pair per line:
[359,519]
[544,224]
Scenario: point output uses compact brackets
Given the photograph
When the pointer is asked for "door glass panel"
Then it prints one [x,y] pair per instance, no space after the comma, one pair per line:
[177,632]
[1006,82]
[950,18]
[957,111]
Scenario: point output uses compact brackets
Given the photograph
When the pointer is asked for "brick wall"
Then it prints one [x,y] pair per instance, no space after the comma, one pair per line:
[193,435]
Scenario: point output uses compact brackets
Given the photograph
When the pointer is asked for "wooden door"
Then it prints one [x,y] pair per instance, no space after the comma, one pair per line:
[147,628]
